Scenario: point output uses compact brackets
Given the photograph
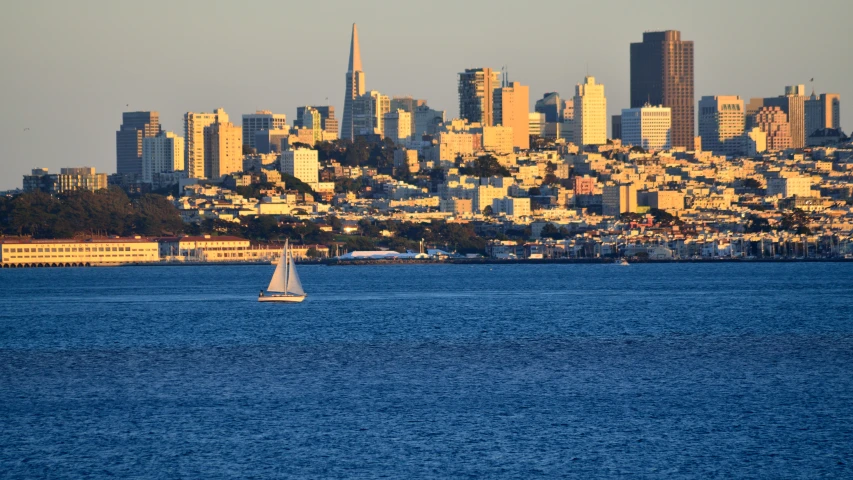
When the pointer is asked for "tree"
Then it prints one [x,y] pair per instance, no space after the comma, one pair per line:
[488,211]
[485,166]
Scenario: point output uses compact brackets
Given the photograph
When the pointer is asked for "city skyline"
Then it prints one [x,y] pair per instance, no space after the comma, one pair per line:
[78,77]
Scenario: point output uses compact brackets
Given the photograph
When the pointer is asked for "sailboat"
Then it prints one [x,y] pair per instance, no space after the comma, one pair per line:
[284,285]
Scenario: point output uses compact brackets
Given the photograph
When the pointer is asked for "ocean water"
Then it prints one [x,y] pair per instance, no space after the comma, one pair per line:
[429,371]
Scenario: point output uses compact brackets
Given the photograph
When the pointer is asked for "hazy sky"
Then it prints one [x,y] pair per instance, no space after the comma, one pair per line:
[70,68]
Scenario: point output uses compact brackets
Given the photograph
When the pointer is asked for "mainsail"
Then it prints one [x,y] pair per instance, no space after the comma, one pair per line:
[278,283]
[294,286]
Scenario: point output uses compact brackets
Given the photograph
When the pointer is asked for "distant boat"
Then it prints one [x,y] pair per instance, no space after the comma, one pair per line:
[623,262]
[284,285]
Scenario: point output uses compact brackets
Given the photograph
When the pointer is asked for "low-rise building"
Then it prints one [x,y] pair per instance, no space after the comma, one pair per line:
[20,253]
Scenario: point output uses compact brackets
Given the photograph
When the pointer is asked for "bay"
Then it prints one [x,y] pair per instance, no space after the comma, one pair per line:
[429,371]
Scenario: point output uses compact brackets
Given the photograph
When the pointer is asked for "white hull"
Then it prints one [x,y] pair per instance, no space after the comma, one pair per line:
[282,298]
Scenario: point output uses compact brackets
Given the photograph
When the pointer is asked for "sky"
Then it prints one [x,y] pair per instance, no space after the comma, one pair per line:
[69,69]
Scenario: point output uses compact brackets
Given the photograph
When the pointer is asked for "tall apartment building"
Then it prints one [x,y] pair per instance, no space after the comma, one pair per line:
[793,103]
[619,199]
[354,85]
[328,122]
[68,179]
[223,149]
[303,164]
[397,126]
[721,124]
[368,112]
[590,112]
[774,122]
[662,74]
[194,144]
[135,126]
[160,154]
[512,109]
[261,120]
[647,127]
[498,139]
[476,87]
[822,112]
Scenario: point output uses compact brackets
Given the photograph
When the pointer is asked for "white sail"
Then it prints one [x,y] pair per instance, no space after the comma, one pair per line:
[278,284]
[294,286]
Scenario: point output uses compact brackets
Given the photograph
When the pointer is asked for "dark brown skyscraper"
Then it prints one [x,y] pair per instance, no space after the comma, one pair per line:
[662,74]
[134,127]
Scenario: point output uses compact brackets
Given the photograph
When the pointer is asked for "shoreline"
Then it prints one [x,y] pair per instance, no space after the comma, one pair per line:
[463,261]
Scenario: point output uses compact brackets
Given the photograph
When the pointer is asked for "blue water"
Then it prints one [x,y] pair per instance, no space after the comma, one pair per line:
[430,371]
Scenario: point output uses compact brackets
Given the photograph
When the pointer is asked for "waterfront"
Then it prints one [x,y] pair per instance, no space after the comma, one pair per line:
[661,370]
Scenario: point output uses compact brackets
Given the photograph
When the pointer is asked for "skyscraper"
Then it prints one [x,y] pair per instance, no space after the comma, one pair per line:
[135,126]
[161,153]
[793,103]
[223,149]
[194,151]
[476,87]
[774,122]
[368,112]
[327,116]
[512,109]
[261,120]
[721,124]
[662,74]
[590,107]
[551,106]
[354,87]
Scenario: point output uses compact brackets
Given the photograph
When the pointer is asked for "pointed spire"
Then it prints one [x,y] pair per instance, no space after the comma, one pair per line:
[354,51]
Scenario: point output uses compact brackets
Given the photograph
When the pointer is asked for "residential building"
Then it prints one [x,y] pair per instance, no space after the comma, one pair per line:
[354,86]
[756,142]
[194,151]
[721,124]
[408,159]
[666,200]
[328,122]
[789,186]
[484,196]
[476,97]
[647,127]
[498,140]
[261,120]
[161,154]
[135,126]
[511,206]
[269,141]
[303,164]
[619,199]
[407,104]
[662,74]
[223,149]
[511,109]
[398,126]
[590,113]
[773,122]
[69,179]
[368,112]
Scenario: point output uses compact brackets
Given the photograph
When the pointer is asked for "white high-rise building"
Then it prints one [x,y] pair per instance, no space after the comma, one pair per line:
[261,120]
[647,127]
[194,125]
[722,121]
[590,109]
[161,153]
[368,113]
[303,164]
[398,126]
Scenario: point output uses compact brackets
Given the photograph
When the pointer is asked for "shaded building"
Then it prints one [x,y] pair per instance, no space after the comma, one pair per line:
[551,105]
[662,74]
[721,124]
[328,122]
[427,121]
[476,97]
[368,112]
[616,127]
[354,85]
[823,112]
[69,179]
[135,126]
[647,127]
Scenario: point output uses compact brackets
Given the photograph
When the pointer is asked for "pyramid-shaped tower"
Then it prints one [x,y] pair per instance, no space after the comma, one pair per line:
[354,84]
